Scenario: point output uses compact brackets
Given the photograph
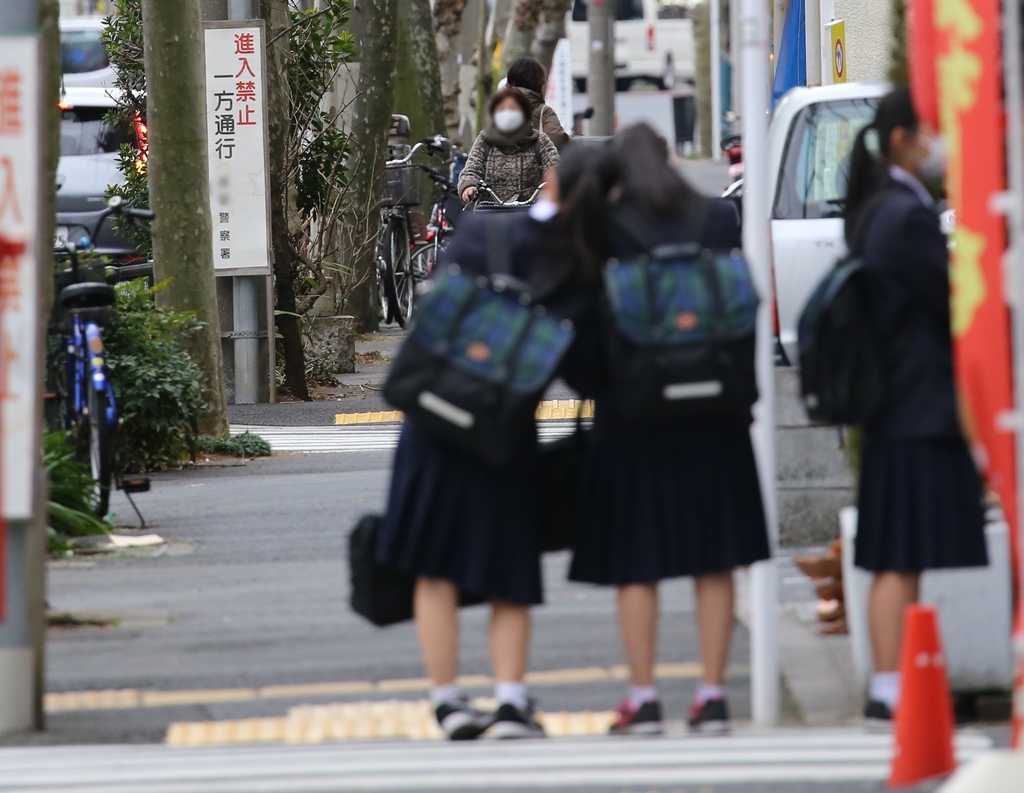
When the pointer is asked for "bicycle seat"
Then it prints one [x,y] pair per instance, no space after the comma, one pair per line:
[87,295]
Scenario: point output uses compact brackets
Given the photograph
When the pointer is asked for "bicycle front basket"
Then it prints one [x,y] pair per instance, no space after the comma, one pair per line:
[403,186]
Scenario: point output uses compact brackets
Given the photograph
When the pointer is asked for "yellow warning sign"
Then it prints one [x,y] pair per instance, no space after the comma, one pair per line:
[838,37]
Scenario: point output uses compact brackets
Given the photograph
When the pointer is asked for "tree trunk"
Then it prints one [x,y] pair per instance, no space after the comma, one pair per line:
[179,184]
[702,79]
[522,25]
[550,30]
[447,24]
[418,86]
[275,14]
[369,136]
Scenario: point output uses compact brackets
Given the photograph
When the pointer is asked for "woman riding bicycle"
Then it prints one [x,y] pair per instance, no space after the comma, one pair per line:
[509,156]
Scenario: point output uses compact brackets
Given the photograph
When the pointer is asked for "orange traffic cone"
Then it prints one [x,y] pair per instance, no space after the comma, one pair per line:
[924,714]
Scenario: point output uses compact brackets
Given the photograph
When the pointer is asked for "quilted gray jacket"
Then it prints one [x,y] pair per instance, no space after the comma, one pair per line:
[508,169]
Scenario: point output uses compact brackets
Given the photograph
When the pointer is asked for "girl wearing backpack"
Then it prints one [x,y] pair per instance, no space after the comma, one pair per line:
[470,531]
[920,500]
[509,155]
[668,498]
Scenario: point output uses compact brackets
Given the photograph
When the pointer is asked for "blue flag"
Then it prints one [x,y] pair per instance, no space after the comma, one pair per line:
[791,59]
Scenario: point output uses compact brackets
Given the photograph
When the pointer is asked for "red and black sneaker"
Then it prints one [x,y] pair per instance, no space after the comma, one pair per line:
[645,720]
[710,717]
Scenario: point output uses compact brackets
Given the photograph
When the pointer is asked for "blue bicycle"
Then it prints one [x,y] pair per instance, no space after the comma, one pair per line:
[90,407]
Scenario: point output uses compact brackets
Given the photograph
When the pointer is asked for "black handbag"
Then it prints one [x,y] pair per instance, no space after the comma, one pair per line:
[381,594]
[560,466]
[479,356]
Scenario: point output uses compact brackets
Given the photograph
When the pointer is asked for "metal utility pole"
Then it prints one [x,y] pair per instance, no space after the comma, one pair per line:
[26,234]
[601,79]
[716,80]
[764,647]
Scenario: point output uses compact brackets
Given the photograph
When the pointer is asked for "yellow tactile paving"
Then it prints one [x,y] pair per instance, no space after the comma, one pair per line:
[57,702]
[361,721]
[548,410]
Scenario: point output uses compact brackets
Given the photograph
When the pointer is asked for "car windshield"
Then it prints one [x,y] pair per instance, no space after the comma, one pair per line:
[83,131]
[82,51]
[816,166]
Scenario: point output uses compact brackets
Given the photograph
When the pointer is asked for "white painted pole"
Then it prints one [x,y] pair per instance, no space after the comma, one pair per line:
[1013,262]
[716,80]
[764,650]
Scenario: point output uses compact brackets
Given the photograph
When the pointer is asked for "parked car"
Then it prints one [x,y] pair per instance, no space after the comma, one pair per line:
[81,52]
[88,165]
[809,142]
[653,42]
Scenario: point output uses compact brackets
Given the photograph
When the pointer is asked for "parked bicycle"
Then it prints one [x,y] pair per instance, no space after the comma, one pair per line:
[444,217]
[90,406]
[397,269]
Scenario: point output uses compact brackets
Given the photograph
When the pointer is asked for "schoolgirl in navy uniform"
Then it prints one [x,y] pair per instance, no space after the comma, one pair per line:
[470,529]
[920,501]
[668,499]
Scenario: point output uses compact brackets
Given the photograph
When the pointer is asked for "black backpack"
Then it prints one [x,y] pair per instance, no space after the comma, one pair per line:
[682,334]
[480,355]
[842,375]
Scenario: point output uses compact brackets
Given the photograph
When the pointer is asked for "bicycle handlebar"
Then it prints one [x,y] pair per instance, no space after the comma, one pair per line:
[435,145]
[512,203]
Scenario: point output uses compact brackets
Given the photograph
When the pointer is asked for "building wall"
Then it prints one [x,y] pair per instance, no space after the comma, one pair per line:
[868,37]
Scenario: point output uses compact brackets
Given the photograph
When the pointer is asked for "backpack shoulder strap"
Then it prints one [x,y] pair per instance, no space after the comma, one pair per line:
[487,154]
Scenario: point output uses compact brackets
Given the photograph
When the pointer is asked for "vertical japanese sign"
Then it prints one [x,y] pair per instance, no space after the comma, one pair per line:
[236,103]
[559,89]
[19,195]
[837,35]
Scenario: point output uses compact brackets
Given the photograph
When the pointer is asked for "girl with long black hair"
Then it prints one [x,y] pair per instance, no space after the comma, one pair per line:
[664,499]
[469,530]
[920,501]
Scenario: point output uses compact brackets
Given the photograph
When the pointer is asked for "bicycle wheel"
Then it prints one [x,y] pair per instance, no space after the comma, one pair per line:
[422,260]
[387,312]
[404,276]
[101,446]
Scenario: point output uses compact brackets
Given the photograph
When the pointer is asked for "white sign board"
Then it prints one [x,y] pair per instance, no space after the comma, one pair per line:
[19,197]
[559,91]
[236,102]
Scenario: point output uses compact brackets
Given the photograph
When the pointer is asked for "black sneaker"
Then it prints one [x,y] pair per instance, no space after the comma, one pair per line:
[511,722]
[460,722]
[877,713]
[710,717]
[645,720]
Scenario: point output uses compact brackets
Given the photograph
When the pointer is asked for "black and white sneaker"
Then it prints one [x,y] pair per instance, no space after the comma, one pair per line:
[645,720]
[460,722]
[511,722]
[878,715]
[710,717]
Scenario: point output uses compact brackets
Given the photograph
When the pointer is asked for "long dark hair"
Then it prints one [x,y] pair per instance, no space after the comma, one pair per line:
[650,184]
[869,159]
[586,174]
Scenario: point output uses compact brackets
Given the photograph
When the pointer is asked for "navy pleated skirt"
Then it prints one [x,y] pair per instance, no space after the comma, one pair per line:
[679,503]
[920,506]
[452,516]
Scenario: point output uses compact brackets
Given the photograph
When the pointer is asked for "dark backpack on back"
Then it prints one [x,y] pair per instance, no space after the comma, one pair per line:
[683,330]
[480,355]
[842,375]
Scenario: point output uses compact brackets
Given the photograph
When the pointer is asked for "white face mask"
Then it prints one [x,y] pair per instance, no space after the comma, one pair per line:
[933,165]
[508,120]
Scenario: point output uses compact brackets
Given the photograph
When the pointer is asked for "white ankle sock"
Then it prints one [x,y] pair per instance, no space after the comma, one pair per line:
[638,695]
[511,693]
[885,687]
[449,692]
[707,692]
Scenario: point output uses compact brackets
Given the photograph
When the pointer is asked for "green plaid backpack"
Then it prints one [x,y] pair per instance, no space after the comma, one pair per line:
[682,332]
[480,355]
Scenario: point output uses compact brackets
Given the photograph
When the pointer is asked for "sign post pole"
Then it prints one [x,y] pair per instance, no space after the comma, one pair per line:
[716,80]
[764,650]
[22,544]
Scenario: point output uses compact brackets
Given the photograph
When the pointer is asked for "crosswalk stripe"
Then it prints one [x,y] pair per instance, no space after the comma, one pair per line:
[780,756]
[358,438]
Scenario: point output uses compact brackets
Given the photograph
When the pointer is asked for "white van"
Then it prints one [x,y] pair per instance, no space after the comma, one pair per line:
[809,143]
[81,52]
[653,42]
